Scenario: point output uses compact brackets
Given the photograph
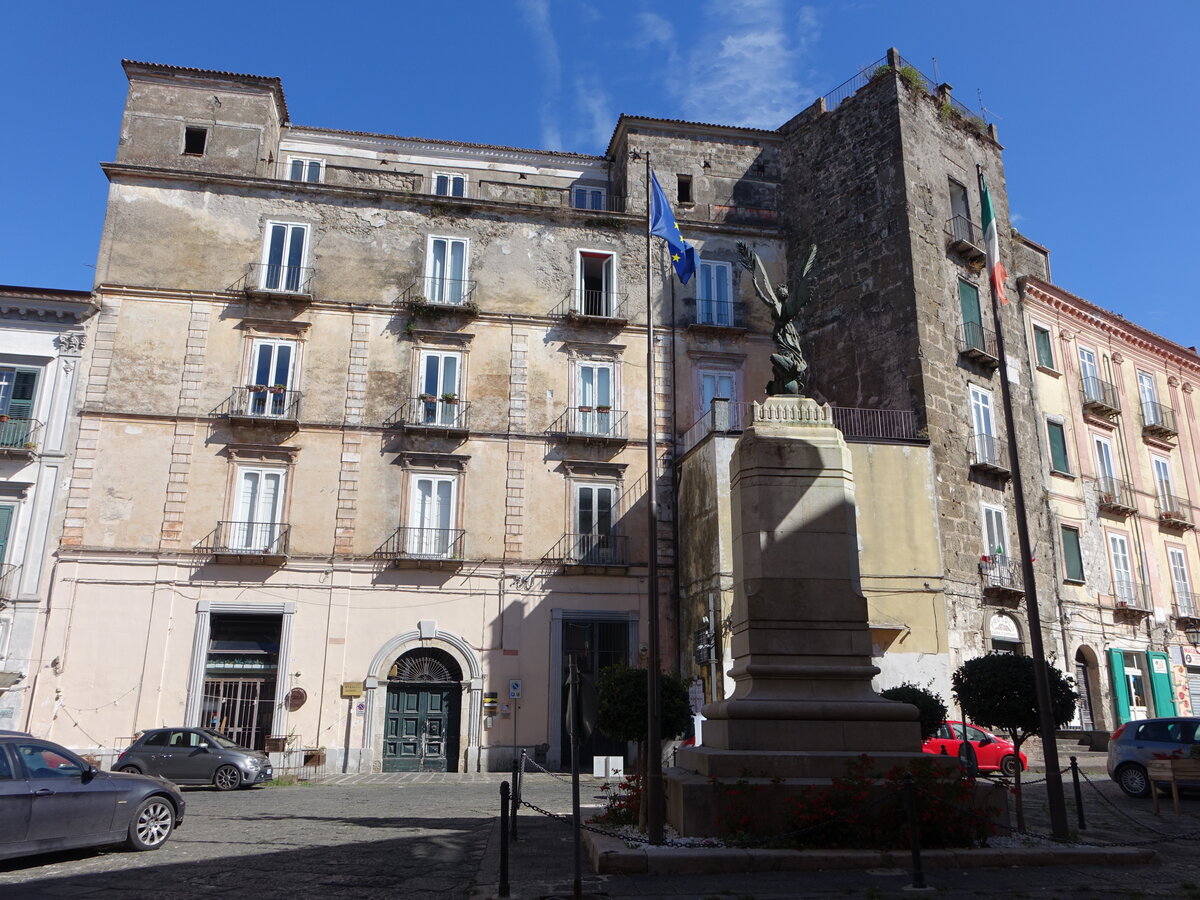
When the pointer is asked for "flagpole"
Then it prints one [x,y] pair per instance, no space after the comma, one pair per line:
[1054,786]
[654,786]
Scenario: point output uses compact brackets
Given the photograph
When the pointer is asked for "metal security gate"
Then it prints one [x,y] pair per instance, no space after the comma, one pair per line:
[1193,680]
[233,706]
[1084,685]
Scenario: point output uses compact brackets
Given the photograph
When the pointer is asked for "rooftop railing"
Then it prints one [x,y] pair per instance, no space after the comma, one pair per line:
[870,72]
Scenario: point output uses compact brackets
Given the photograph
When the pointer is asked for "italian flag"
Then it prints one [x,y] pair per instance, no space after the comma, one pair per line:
[991,242]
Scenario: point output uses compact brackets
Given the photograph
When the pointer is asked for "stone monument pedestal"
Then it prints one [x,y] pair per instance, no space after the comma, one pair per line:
[803,706]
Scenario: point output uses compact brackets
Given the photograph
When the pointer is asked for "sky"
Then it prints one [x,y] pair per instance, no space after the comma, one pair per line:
[1094,102]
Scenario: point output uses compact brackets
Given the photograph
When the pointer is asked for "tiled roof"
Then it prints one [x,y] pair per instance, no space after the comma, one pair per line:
[268,80]
[740,128]
[396,137]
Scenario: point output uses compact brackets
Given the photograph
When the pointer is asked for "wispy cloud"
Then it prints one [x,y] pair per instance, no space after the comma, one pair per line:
[743,69]
[595,110]
[536,14]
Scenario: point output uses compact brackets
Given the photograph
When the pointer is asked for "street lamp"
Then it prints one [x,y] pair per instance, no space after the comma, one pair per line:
[1193,633]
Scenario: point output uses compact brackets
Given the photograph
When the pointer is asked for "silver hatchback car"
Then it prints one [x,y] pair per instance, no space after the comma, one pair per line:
[195,756]
[1136,743]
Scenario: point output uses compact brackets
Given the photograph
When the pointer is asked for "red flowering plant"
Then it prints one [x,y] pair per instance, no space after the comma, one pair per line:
[624,803]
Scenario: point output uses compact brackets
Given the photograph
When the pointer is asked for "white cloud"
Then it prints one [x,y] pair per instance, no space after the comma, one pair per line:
[595,107]
[536,14]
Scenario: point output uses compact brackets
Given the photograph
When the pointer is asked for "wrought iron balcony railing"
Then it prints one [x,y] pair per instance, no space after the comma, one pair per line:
[591,422]
[260,401]
[435,413]
[1001,576]
[1187,604]
[19,437]
[1158,419]
[273,278]
[1128,594]
[260,540]
[711,314]
[1115,495]
[591,304]
[1100,396]
[988,453]
[423,543]
[965,238]
[1174,511]
[978,343]
[432,290]
[9,580]
[591,549]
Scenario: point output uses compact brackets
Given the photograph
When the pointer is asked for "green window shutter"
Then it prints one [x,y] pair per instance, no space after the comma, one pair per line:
[6,517]
[968,299]
[1116,666]
[1160,683]
[1072,557]
[1045,354]
[20,404]
[1058,447]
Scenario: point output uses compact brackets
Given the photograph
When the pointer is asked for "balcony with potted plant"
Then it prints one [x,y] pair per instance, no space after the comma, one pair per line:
[19,437]
[262,404]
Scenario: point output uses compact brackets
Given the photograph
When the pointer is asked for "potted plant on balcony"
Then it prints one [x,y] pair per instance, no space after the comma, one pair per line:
[277,389]
[3,419]
[585,409]
[256,388]
[30,445]
[426,397]
[449,398]
[604,409]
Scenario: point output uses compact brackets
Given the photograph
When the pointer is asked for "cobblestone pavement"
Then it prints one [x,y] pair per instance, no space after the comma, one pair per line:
[434,836]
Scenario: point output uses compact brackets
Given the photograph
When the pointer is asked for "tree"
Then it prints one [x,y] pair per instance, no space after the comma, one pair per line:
[930,708]
[621,705]
[998,692]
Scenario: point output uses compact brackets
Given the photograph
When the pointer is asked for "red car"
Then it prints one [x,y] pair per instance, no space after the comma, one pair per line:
[993,752]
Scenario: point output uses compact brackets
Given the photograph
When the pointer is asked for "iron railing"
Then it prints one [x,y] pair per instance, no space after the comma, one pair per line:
[868,73]
[1099,394]
[590,304]
[1000,574]
[260,401]
[591,422]
[248,539]
[275,278]
[9,580]
[432,290]
[591,549]
[432,412]
[986,451]
[1158,419]
[18,434]
[1115,495]
[881,424]
[1128,594]
[1173,510]
[423,543]
[966,238]
[723,417]
[977,342]
[711,314]
[1187,605]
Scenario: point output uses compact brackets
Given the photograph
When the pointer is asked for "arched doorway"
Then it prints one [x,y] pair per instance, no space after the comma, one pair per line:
[423,711]
[1085,679]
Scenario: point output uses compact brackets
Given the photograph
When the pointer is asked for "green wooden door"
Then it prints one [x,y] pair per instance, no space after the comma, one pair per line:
[968,299]
[420,730]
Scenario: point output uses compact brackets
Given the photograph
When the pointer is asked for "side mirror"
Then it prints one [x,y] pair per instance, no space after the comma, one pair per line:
[203,745]
[89,773]
[985,742]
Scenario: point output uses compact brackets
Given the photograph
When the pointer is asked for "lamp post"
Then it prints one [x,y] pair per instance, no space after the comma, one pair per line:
[1193,633]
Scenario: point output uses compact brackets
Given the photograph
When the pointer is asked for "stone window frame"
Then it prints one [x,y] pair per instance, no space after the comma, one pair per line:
[589,191]
[1034,327]
[260,456]
[1062,546]
[449,176]
[1060,423]
[585,352]
[984,508]
[415,464]
[581,472]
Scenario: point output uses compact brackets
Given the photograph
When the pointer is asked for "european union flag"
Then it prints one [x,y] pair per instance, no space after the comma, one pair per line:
[662,224]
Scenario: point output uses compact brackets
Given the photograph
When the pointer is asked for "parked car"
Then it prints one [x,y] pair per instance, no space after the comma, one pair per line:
[196,756]
[995,754]
[1136,743]
[50,799]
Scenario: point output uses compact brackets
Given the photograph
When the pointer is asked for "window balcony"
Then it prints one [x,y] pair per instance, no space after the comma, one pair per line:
[581,553]
[1131,596]
[1174,512]
[433,414]
[978,344]
[1187,605]
[431,295]
[275,280]
[263,543]
[1001,578]
[1100,397]
[260,403]
[1158,420]
[987,453]
[600,307]
[9,581]
[412,548]
[716,318]
[1116,496]
[965,238]
[591,423]
[19,437]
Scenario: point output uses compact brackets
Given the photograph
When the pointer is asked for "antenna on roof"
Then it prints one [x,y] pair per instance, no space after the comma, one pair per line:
[987,113]
[936,77]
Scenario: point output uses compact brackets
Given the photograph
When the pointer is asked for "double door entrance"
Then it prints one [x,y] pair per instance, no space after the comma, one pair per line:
[421,724]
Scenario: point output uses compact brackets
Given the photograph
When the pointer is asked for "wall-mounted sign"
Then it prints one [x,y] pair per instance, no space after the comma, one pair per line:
[514,689]
[1160,665]
[295,699]
[351,689]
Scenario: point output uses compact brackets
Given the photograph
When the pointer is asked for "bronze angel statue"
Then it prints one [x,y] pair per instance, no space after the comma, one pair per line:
[788,364]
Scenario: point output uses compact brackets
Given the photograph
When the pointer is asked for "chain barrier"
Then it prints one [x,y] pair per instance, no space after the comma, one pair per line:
[543,770]
[1168,836]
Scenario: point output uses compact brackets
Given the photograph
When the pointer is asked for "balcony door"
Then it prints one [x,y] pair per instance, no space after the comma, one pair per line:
[983,425]
[972,315]
[1148,394]
[446,271]
[17,390]
[1090,375]
[1136,684]
[594,522]
[439,386]
[1122,570]
[431,516]
[283,257]
[597,280]
[713,304]
[271,366]
[1106,471]
[259,512]
[1185,604]
[1162,484]
[594,393]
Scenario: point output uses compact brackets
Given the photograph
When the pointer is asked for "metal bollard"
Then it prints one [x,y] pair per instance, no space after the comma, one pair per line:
[910,803]
[1078,794]
[503,890]
[516,798]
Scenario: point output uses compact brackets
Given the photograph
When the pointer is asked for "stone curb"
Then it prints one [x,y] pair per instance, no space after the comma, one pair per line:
[610,856]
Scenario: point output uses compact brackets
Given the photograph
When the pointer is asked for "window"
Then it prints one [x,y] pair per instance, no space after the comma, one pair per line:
[18,388]
[594,508]
[301,168]
[6,772]
[272,365]
[1162,482]
[968,301]
[1185,603]
[258,510]
[194,140]
[983,429]
[713,293]
[1042,347]
[449,184]
[995,533]
[588,198]
[684,183]
[1058,447]
[1072,555]
[50,762]
[594,397]
[159,739]
[959,206]
[715,384]
[1122,570]
[1152,413]
[597,281]
[431,516]
[1090,375]
[446,271]
[439,390]
[1105,470]
[7,514]
[283,258]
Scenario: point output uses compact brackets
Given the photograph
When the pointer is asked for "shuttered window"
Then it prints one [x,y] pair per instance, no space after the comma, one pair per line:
[6,518]
[1058,448]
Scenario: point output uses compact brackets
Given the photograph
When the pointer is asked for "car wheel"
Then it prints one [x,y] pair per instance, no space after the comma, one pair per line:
[1009,765]
[1133,780]
[132,770]
[152,824]
[227,778]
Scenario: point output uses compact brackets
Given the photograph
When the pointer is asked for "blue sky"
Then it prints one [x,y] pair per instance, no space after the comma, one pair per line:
[1095,102]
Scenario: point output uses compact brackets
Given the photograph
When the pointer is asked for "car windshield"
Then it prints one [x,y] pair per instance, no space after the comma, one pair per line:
[221,741]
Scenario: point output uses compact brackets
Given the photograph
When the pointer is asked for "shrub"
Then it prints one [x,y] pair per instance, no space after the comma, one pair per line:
[912,78]
[930,708]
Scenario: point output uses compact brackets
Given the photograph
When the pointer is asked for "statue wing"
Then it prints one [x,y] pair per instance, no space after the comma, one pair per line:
[804,287]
